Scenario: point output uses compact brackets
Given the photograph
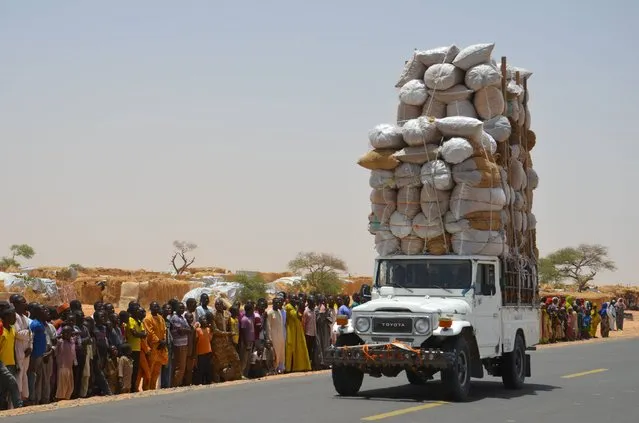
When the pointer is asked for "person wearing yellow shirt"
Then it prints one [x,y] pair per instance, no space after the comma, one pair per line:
[134,334]
[8,368]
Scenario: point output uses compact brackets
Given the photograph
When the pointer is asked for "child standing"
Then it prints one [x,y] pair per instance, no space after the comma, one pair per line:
[125,368]
[204,373]
[234,325]
[66,360]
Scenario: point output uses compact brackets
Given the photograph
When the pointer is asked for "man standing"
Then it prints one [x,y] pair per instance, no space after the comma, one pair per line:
[156,339]
[24,343]
[180,332]
[275,334]
[226,363]
[310,329]
[247,337]
[37,328]
[8,371]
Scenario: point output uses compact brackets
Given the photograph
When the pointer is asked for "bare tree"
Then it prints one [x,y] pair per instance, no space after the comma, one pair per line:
[182,249]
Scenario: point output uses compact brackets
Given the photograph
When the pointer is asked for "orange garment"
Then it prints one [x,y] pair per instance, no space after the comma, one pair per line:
[155,328]
[203,340]
[144,374]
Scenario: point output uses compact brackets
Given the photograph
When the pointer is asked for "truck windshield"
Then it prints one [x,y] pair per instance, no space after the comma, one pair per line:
[425,274]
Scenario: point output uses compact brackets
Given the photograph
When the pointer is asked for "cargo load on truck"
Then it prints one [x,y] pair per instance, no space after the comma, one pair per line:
[454,173]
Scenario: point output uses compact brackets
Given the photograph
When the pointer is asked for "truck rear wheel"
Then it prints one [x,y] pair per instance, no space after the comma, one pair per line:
[347,380]
[513,366]
[456,379]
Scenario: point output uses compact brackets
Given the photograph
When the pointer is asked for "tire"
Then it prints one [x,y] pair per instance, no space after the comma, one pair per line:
[513,366]
[347,380]
[456,380]
[415,378]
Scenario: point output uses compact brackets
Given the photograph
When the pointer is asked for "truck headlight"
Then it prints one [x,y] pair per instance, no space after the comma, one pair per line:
[363,324]
[422,325]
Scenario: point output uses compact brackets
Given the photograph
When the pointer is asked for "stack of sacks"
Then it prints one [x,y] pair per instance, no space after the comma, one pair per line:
[454,175]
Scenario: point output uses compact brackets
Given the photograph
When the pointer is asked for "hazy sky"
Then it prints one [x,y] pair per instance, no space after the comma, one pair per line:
[237,125]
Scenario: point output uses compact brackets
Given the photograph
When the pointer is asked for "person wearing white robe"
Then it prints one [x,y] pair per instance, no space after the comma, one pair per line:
[276,334]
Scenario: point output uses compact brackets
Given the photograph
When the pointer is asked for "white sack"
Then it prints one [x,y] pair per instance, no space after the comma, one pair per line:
[517,223]
[438,55]
[413,69]
[481,76]
[418,155]
[456,93]
[383,203]
[511,72]
[516,152]
[489,102]
[437,174]
[374,225]
[443,76]
[517,175]
[461,108]
[427,229]
[456,150]
[522,112]
[408,201]
[412,245]
[382,179]
[413,93]
[401,225]
[466,199]
[532,221]
[488,143]
[474,242]
[434,108]
[434,202]
[386,136]
[528,117]
[386,243]
[498,128]
[420,131]
[406,112]
[469,173]
[473,55]
[460,126]
[407,175]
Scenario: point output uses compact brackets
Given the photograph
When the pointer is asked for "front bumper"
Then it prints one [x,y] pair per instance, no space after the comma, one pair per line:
[391,354]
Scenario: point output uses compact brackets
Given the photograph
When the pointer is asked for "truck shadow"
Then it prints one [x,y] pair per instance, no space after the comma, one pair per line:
[432,391]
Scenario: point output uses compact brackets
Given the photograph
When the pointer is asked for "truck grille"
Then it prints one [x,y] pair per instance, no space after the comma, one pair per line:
[392,325]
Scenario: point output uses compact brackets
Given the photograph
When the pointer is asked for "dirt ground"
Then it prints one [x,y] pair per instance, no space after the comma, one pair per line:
[631,330]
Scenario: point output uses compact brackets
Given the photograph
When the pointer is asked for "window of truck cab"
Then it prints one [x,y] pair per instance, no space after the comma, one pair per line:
[424,273]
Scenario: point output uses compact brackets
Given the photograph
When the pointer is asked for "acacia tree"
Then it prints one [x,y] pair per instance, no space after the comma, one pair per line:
[580,264]
[17,250]
[182,249]
[251,288]
[319,271]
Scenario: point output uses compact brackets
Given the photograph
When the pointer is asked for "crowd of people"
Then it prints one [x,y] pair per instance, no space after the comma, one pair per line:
[59,353]
[570,319]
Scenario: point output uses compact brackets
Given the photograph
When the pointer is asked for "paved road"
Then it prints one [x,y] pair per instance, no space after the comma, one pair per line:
[575,384]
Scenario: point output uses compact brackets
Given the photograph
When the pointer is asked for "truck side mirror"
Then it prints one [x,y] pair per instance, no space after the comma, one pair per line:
[365,293]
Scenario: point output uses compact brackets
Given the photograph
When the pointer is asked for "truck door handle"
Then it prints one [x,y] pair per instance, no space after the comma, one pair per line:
[496,315]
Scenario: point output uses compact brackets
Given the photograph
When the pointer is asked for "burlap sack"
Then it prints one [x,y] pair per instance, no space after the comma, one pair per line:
[477,172]
[413,69]
[457,93]
[482,221]
[413,93]
[379,160]
[466,199]
[473,242]
[408,175]
[434,108]
[489,102]
[418,155]
[382,179]
[533,178]
[412,245]
[383,203]
[482,76]
[517,175]
[443,76]
[460,126]
[428,228]
[434,203]
[498,128]
[439,246]
[386,243]
[437,174]
[473,55]
[408,201]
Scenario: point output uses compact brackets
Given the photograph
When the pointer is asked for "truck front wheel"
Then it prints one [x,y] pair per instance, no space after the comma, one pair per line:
[513,366]
[415,378]
[347,380]
[456,379]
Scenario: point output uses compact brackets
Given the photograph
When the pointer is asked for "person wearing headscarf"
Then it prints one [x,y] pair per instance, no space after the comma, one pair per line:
[594,322]
[621,307]
[544,324]
[612,315]
[570,334]
[605,322]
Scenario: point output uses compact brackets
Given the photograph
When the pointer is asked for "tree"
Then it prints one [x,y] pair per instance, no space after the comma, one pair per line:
[319,271]
[580,264]
[548,273]
[182,248]
[252,287]
[17,250]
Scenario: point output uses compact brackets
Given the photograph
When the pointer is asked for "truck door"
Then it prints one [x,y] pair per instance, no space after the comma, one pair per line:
[486,304]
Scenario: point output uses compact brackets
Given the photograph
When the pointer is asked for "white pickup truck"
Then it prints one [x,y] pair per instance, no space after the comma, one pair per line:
[457,315]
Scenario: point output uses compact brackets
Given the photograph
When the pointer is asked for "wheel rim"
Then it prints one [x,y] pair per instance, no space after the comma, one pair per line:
[462,368]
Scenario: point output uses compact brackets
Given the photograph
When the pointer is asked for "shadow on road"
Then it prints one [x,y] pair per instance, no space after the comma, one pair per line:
[432,391]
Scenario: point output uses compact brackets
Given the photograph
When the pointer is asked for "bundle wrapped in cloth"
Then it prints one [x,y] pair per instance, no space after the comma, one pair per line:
[454,174]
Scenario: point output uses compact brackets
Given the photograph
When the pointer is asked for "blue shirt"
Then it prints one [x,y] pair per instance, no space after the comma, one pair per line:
[345,311]
[39,339]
